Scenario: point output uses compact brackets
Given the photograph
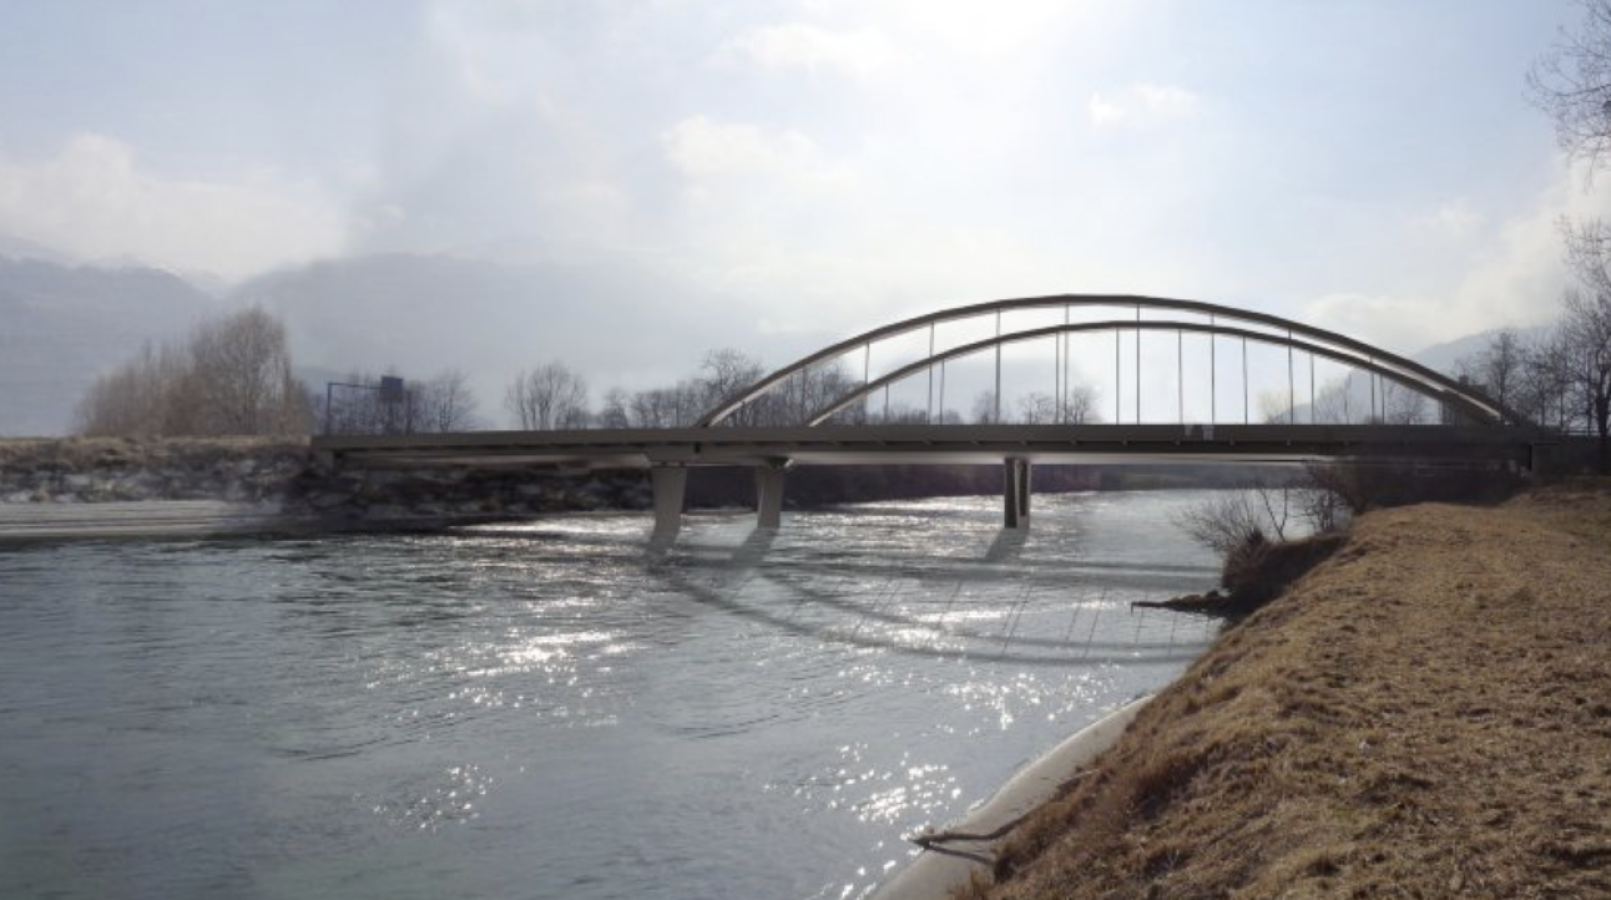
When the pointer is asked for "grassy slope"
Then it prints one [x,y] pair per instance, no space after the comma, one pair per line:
[1426,714]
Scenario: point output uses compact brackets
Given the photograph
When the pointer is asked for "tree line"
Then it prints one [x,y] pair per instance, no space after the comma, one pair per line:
[231,376]
[1569,375]
[554,396]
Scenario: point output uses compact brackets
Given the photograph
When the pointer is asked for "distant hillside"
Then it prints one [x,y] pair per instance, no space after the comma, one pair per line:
[420,315]
[416,315]
[62,325]
[13,247]
[1446,357]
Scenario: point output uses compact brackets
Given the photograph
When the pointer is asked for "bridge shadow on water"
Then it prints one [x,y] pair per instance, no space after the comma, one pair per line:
[1043,615]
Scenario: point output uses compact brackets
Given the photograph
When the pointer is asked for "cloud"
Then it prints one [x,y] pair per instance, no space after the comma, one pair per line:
[94,201]
[801,46]
[997,30]
[1455,219]
[701,148]
[1142,102]
[1510,274]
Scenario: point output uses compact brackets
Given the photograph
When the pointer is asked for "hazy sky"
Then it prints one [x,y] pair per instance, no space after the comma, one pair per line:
[1371,166]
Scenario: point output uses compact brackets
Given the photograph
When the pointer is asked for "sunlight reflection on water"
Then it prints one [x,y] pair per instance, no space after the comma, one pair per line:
[549,709]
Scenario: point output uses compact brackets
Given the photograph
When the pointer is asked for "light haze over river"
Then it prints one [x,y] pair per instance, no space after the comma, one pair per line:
[551,710]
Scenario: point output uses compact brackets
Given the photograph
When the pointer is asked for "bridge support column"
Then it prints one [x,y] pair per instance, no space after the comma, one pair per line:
[1016,493]
[670,485]
[769,496]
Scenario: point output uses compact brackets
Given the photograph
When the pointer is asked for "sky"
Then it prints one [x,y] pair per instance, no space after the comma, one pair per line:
[821,166]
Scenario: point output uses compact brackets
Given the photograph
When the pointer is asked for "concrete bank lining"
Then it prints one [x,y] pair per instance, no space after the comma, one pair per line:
[933,874]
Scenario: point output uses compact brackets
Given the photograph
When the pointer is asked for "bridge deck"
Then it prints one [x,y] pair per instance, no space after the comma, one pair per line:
[935,444]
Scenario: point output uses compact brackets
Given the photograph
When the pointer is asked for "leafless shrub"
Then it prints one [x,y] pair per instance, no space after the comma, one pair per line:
[1325,508]
[1226,520]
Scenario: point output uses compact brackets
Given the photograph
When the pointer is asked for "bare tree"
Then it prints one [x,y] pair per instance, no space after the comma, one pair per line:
[1037,409]
[1583,343]
[1275,407]
[1079,405]
[807,392]
[986,411]
[663,407]
[614,412]
[723,375]
[1401,405]
[445,404]
[1499,367]
[141,397]
[903,414]
[1572,83]
[233,376]
[1076,406]
[1321,499]
[240,378]
[548,397]
[1331,403]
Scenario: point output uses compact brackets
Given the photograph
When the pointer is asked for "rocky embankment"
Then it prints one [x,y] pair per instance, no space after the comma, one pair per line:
[436,494]
[284,475]
[102,470]
[1425,714]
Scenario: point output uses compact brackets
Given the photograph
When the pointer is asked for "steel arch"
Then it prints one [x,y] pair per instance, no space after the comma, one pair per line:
[1334,346]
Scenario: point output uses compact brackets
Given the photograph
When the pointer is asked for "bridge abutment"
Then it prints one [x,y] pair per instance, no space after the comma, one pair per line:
[1015,493]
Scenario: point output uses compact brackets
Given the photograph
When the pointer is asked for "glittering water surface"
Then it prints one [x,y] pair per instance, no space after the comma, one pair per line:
[555,711]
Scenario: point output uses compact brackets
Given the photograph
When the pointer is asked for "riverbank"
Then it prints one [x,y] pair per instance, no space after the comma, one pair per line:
[1424,714]
[22,522]
[55,488]
[284,474]
[113,470]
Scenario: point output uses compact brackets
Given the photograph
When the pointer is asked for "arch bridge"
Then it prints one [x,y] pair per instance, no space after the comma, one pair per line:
[819,411]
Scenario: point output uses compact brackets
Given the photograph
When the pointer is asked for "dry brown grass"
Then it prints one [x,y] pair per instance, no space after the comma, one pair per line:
[1426,714]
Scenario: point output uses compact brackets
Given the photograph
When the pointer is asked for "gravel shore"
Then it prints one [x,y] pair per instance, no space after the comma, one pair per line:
[136,519]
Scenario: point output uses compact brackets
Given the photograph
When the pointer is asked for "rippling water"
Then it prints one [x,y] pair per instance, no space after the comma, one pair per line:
[554,711]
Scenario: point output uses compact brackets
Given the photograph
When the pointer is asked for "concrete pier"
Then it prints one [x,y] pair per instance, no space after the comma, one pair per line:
[670,486]
[1015,493]
[769,496]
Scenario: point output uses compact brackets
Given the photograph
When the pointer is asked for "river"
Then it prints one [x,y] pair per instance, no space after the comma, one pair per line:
[553,710]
